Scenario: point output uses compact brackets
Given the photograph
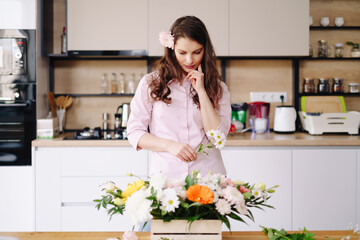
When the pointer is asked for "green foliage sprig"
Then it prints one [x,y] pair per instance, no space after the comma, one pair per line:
[274,234]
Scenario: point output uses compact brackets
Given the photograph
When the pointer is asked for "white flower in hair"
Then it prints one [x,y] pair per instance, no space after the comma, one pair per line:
[166,39]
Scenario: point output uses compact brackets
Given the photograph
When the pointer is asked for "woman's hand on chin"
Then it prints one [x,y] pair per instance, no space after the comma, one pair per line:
[196,77]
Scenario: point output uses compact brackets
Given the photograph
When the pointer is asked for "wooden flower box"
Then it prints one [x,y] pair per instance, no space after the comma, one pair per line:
[182,230]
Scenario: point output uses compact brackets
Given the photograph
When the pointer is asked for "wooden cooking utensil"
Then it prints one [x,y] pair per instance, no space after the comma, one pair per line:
[68,101]
[60,102]
[51,99]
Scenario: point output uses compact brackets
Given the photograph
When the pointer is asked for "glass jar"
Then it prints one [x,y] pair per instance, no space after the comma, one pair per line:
[339,50]
[338,86]
[310,51]
[308,85]
[323,85]
[323,49]
[355,51]
[353,88]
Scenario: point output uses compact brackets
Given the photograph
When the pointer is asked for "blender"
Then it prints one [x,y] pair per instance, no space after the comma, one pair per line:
[259,117]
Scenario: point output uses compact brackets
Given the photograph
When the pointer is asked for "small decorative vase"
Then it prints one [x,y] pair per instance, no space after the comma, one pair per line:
[355,51]
[182,229]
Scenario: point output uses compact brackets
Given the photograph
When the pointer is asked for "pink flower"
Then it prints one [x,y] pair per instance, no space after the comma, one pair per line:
[243,189]
[166,39]
[129,235]
[224,182]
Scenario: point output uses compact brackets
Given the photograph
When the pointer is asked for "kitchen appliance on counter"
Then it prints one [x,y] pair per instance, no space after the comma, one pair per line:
[284,120]
[327,114]
[319,123]
[259,117]
[86,134]
[17,96]
[121,120]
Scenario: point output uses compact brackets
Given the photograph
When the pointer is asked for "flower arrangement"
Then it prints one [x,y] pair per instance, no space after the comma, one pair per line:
[213,196]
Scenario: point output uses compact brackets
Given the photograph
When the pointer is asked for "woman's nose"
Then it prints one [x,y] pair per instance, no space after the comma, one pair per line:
[189,59]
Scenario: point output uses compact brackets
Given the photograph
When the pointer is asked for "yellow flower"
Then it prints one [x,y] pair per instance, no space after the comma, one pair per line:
[119,201]
[261,186]
[131,188]
[238,182]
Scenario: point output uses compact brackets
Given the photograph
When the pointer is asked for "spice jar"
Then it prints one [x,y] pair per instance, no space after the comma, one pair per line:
[339,50]
[323,85]
[338,86]
[355,51]
[308,85]
[310,51]
[323,49]
[353,88]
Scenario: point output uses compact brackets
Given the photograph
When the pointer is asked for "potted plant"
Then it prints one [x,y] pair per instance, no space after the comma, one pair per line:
[355,51]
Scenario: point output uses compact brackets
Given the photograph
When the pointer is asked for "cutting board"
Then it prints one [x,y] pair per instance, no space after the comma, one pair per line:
[323,104]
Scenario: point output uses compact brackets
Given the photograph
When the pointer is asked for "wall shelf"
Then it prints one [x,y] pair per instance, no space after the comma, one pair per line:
[93,95]
[330,94]
[335,28]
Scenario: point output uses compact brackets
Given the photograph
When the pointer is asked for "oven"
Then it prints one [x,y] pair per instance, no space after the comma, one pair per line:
[17,96]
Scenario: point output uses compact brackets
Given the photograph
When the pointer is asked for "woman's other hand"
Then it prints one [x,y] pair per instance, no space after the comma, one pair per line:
[196,78]
[182,151]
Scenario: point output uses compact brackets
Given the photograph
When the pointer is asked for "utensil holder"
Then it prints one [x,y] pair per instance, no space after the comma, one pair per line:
[61,116]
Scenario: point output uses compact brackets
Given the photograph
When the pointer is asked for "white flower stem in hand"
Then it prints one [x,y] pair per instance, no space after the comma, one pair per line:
[216,138]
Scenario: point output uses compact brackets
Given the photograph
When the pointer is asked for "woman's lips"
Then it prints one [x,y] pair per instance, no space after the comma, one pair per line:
[189,66]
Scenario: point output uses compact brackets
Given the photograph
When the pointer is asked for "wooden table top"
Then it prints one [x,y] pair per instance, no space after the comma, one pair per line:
[322,235]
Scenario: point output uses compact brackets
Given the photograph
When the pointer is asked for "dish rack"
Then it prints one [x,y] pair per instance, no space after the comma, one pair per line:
[319,123]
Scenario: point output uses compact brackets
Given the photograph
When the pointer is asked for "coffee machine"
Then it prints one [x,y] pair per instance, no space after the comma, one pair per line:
[121,120]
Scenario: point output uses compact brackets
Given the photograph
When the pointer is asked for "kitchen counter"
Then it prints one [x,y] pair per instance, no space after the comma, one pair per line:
[234,139]
[321,235]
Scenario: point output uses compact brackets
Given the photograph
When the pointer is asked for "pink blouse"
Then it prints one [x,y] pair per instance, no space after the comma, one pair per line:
[179,121]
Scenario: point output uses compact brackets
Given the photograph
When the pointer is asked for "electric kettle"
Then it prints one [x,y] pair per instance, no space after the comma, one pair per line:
[284,120]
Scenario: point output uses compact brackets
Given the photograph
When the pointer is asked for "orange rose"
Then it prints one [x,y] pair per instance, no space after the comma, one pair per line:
[201,194]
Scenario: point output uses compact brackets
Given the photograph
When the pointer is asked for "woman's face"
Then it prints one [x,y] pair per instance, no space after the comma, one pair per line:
[189,54]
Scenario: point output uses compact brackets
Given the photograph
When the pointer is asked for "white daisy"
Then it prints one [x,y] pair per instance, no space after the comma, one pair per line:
[170,200]
[157,181]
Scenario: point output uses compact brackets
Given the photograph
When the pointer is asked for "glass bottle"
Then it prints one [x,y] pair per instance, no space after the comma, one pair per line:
[63,41]
[310,51]
[122,83]
[323,49]
[131,84]
[338,86]
[339,50]
[114,84]
[308,85]
[104,84]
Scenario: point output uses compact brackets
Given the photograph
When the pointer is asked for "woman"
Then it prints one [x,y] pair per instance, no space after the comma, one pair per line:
[180,102]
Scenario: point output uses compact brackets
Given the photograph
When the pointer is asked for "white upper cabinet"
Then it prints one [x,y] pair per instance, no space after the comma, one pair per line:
[269,27]
[19,14]
[214,14]
[107,25]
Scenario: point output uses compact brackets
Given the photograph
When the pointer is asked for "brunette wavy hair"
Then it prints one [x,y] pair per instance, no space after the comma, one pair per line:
[193,28]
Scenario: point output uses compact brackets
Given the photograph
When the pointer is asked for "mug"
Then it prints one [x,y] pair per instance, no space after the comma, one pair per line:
[324,21]
[339,21]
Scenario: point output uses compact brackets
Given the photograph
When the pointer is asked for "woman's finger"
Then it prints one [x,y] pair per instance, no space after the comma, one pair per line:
[199,68]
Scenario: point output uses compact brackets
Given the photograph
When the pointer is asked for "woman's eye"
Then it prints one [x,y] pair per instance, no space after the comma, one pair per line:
[197,52]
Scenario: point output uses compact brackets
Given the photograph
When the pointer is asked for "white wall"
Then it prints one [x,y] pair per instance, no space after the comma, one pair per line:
[17,14]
